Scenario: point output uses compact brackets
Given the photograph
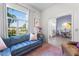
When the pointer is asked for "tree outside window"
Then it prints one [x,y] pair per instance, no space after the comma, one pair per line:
[17,22]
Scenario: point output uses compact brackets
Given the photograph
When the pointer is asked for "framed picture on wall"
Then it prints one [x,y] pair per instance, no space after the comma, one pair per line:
[36,22]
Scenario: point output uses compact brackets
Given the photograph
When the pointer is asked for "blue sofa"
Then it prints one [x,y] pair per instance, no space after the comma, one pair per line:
[19,45]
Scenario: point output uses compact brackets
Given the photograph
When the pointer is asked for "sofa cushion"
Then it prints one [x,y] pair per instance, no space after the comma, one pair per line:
[15,39]
[34,42]
[19,39]
[19,46]
[25,37]
[24,44]
[5,52]
[7,41]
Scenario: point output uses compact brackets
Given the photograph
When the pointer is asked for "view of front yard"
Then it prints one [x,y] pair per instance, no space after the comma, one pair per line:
[17,22]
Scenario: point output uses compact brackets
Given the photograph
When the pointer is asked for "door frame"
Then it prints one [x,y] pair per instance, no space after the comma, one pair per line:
[72,20]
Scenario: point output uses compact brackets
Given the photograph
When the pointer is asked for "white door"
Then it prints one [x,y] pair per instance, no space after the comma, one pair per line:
[51,28]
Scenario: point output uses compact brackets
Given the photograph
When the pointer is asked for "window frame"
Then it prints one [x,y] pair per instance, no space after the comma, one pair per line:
[27,21]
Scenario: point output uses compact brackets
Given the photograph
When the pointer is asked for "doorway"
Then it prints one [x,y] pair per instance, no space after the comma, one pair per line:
[60,30]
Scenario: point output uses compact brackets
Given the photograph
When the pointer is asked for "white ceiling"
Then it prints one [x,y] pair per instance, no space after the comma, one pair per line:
[41,6]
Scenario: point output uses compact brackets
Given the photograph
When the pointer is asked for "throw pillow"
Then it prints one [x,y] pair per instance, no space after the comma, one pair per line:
[2,44]
[33,36]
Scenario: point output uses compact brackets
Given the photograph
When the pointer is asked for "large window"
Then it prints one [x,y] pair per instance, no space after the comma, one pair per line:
[17,22]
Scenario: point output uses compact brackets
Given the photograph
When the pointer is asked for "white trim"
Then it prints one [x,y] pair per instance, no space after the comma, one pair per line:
[17,7]
[72,20]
